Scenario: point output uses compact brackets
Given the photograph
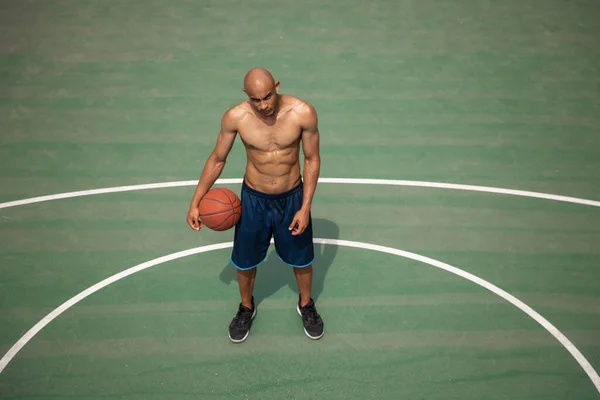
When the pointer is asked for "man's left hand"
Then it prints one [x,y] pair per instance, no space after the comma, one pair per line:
[300,222]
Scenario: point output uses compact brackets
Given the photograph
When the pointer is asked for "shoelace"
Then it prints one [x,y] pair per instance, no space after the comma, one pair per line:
[310,313]
[242,317]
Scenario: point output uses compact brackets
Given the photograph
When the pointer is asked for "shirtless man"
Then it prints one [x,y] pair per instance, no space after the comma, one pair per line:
[276,197]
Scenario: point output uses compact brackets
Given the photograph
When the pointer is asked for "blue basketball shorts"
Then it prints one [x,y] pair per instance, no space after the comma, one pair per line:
[265,216]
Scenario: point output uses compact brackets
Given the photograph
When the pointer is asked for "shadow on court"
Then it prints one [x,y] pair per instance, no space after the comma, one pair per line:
[273,274]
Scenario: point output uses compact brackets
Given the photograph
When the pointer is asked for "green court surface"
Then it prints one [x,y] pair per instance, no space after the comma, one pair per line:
[502,94]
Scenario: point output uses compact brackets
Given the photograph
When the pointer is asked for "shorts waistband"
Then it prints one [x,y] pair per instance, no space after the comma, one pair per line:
[271,196]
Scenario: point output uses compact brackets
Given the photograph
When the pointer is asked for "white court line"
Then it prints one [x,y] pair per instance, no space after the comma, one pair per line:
[92,289]
[393,182]
[587,367]
[528,310]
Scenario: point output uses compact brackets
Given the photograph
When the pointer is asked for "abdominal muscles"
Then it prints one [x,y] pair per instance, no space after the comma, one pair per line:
[273,171]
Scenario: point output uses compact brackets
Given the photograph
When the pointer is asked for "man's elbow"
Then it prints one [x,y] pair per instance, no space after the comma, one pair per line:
[217,160]
[313,160]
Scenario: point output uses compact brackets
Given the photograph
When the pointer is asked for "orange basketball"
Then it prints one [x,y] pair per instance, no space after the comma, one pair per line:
[220,209]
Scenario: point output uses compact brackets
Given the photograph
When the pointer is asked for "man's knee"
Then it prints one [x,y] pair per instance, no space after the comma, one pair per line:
[246,273]
[303,270]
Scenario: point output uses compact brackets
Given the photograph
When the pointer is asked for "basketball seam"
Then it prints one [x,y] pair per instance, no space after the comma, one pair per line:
[226,219]
[232,202]
[218,201]
[215,213]
[225,193]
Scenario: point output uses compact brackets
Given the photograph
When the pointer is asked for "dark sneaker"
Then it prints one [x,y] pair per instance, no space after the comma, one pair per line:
[239,328]
[313,324]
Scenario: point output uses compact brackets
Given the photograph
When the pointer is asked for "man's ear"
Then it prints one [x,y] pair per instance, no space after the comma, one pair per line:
[277,86]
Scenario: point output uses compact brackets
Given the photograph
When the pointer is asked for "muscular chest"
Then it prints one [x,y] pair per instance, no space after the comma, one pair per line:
[260,136]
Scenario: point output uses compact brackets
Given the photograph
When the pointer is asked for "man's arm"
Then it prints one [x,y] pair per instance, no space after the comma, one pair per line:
[312,157]
[214,165]
[312,166]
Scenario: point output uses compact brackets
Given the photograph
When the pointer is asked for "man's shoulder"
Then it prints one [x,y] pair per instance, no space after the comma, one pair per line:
[302,108]
[237,112]
[234,115]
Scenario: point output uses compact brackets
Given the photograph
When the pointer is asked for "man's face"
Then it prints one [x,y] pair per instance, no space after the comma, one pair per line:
[264,100]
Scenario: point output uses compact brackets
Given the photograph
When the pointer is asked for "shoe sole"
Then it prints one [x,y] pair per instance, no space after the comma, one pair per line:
[247,333]
[305,331]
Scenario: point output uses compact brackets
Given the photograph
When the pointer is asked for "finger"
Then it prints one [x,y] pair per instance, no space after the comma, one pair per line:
[193,223]
[299,229]
[294,223]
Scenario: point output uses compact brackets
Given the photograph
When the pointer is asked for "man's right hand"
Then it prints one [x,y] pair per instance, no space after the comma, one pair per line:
[193,219]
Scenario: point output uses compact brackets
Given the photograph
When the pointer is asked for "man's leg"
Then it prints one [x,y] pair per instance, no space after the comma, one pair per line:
[313,324]
[250,245]
[304,281]
[240,325]
[246,284]
[298,252]
[312,321]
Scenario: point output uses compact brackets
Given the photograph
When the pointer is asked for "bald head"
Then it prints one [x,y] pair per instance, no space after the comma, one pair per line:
[261,89]
[258,80]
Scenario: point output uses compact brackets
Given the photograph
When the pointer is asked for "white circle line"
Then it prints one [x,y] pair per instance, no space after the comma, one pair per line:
[566,343]
[393,182]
